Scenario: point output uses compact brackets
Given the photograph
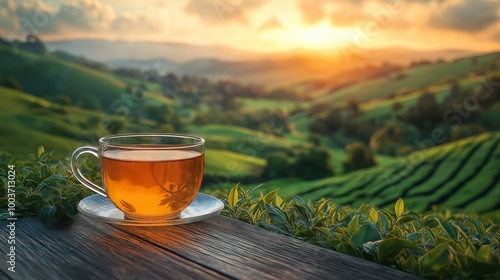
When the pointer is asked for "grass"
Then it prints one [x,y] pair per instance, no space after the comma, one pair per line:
[416,78]
[240,140]
[256,144]
[47,76]
[377,109]
[227,163]
[261,104]
[51,77]
[31,121]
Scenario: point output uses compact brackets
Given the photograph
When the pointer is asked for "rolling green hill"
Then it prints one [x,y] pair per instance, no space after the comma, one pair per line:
[258,144]
[235,165]
[46,76]
[49,77]
[463,174]
[257,104]
[29,121]
[382,108]
[414,78]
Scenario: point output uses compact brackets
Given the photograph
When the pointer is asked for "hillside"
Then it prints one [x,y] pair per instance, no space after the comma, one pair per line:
[50,77]
[30,121]
[378,109]
[463,174]
[411,79]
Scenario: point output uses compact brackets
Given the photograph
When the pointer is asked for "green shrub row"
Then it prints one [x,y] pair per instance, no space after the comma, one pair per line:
[433,245]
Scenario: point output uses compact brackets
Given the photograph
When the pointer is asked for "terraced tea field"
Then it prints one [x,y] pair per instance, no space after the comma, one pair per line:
[464,174]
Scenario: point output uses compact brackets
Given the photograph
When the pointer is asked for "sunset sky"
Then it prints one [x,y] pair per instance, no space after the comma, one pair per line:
[264,25]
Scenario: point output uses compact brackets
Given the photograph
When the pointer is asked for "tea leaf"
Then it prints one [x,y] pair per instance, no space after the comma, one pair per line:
[269,197]
[391,247]
[399,208]
[353,224]
[436,258]
[365,233]
[276,215]
[483,255]
[41,150]
[47,214]
[232,198]
[449,228]
[254,189]
[373,216]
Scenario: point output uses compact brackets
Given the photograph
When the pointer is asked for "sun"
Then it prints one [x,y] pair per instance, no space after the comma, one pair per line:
[319,37]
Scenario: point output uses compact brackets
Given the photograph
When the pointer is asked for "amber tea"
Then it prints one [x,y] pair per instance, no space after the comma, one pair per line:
[152,183]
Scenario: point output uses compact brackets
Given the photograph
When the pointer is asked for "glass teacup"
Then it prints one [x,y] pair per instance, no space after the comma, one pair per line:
[147,176]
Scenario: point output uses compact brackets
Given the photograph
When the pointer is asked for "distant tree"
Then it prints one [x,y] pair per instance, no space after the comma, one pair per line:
[89,102]
[314,139]
[495,87]
[10,82]
[401,76]
[63,100]
[313,163]
[157,113]
[284,93]
[388,139]
[318,126]
[428,108]
[358,156]
[454,88]
[166,128]
[404,150]
[352,104]
[93,121]
[466,130]
[114,126]
[278,165]
[164,114]
[129,72]
[333,120]
[33,44]
[396,106]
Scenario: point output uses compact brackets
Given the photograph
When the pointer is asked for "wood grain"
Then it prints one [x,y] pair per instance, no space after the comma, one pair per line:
[218,248]
[94,251]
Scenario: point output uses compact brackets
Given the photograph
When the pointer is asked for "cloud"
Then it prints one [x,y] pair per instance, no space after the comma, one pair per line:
[136,23]
[272,23]
[91,16]
[340,12]
[312,11]
[8,22]
[86,15]
[341,18]
[467,15]
[216,11]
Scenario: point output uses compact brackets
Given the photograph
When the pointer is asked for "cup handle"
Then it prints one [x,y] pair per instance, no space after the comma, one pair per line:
[78,174]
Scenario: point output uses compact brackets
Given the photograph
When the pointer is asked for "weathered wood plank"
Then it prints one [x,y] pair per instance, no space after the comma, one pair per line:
[89,250]
[219,248]
[248,252]
[4,275]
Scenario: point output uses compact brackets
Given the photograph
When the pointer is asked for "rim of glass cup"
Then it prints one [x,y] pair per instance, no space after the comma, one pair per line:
[105,141]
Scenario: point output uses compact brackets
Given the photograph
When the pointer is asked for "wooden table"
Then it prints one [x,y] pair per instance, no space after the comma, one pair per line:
[217,248]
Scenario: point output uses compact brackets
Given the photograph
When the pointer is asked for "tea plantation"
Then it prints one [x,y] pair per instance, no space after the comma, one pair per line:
[463,174]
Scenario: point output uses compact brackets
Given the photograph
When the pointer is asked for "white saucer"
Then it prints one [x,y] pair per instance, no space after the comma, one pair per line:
[100,208]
